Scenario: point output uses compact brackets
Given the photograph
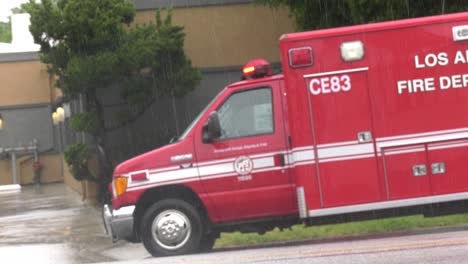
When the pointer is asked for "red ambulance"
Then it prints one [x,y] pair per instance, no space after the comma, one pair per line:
[364,120]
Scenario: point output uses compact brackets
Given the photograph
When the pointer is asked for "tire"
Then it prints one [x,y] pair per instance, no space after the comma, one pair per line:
[171,227]
[208,242]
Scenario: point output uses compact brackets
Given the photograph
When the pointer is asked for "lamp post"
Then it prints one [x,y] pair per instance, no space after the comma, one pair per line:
[55,118]
[60,113]
[58,117]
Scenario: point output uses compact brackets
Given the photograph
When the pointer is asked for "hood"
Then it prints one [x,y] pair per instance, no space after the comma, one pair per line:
[155,159]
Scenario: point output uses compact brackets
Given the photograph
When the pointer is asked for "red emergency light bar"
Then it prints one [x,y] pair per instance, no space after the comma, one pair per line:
[258,68]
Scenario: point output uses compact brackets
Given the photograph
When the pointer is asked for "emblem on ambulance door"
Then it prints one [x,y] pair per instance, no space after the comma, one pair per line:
[243,165]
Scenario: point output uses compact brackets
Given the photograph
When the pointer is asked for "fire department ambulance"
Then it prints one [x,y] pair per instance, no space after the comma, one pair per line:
[370,118]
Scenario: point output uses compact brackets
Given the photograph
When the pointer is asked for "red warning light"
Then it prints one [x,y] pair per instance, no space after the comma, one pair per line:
[300,57]
[248,70]
[257,69]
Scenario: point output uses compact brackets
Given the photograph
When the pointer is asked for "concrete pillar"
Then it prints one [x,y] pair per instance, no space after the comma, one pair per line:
[13,167]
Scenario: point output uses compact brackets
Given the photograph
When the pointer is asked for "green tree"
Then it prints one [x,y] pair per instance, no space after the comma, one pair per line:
[92,50]
[5,32]
[315,14]
[17,10]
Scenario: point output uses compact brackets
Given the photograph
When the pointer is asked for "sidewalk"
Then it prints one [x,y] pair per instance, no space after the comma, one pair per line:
[10,188]
[51,224]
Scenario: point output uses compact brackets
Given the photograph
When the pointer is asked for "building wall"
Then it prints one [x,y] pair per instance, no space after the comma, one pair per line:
[24,82]
[26,94]
[51,172]
[5,172]
[152,4]
[25,98]
[27,123]
[166,116]
[228,35]
[221,35]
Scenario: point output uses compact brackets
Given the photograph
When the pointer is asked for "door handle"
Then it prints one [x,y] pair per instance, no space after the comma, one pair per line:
[364,137]
[180,158]
[438,168]
[186,166]
[419,170]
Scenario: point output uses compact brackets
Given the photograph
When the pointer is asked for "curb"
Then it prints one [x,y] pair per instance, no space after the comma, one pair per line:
[421,231]
[10,188]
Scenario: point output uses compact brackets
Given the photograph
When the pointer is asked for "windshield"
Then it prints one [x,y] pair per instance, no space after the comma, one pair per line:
[195,121]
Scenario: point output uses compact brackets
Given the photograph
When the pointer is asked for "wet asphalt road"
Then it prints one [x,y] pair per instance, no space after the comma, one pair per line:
[51,224]
[448,247]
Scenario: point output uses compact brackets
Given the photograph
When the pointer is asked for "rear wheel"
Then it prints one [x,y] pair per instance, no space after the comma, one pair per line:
[171,227]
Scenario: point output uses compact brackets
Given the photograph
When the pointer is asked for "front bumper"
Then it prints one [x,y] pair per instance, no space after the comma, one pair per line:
[119,223]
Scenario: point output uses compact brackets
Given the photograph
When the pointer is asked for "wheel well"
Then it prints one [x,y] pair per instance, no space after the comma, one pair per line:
[182,192]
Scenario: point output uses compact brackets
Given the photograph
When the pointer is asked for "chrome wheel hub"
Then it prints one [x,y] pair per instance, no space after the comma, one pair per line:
[171,229]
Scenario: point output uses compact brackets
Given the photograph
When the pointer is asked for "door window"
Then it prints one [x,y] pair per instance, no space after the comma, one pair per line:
[247,113]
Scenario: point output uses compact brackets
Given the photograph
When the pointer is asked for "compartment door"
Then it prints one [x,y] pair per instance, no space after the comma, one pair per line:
[406,174]
[448,166]
[343,134]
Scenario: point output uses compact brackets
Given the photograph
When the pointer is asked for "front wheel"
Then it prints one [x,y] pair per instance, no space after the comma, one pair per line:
[171,227]
[208,241]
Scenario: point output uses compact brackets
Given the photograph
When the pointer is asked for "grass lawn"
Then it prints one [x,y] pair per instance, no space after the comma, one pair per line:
[299,232]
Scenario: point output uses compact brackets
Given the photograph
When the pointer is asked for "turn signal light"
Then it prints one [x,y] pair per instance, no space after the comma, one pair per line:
[120,185]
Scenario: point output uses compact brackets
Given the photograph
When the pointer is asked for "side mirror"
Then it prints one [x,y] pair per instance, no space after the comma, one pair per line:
[212,128]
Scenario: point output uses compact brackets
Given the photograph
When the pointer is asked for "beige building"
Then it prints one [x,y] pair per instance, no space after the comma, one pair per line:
[25,106]
[221,36]
[226,34]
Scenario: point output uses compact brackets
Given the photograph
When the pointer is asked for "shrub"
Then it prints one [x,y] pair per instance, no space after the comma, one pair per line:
[77,156]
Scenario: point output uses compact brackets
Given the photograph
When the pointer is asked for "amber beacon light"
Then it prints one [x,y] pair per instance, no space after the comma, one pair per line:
[258,68]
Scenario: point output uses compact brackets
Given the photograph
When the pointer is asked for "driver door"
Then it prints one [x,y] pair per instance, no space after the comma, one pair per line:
[243,171]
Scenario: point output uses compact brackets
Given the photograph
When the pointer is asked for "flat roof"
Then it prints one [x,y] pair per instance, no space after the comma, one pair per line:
[19,56]
[154,4]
